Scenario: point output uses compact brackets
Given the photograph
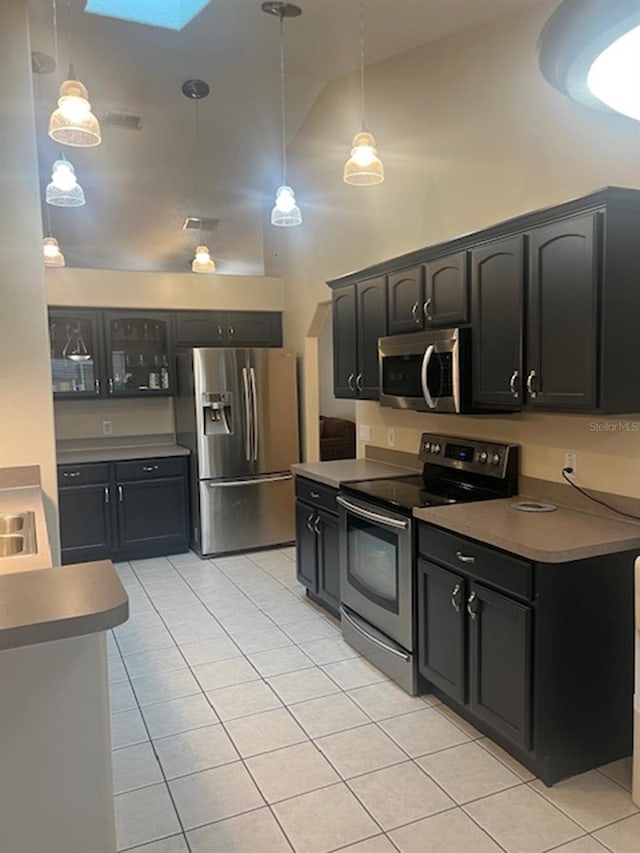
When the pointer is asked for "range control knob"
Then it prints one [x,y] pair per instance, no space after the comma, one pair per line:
[427,447]
[495,459]
[483,456]
[436,448]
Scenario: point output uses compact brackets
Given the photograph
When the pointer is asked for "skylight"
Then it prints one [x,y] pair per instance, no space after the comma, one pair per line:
[170,14]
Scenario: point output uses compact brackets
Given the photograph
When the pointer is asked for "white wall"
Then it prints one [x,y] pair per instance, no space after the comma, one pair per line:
[470,134]
[26,409]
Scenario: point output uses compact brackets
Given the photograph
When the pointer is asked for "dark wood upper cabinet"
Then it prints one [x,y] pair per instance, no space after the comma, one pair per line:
[406,301]
[345,344]
[139,353]
[200,328]
[446,291]
[77,364]
[228,328]
[371,324]
[562,329]
[497,315]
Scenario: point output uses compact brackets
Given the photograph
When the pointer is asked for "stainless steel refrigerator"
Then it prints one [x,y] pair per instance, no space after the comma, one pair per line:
[236,410]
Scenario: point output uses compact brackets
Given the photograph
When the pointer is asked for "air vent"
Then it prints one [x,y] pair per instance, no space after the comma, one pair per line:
[125,121]
[200,223]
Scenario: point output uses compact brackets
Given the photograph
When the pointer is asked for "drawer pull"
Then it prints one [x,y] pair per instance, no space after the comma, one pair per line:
[455,597]
[465,558]
[150,468]
[71,474]
[470,608]
[315,496]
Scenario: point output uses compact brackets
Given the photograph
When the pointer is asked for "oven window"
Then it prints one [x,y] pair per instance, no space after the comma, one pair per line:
[372,562]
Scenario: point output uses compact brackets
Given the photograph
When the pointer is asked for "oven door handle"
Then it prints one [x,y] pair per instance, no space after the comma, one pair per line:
[423,375]
[368,515]
[373,639]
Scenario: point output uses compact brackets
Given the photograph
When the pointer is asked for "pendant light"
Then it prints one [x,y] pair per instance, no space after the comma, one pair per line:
[196,90]
[72,123]
[364,167]
[286,212]
[64,189]
[53,257]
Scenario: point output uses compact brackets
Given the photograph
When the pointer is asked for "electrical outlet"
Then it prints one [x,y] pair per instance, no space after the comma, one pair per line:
[391,437]
[107,429]
[365,432]
[571,461]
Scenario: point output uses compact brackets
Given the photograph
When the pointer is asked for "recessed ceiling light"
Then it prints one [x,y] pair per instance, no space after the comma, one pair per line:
[169,14]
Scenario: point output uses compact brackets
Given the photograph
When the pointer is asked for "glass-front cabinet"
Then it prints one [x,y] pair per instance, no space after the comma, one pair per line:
[76,353]
[138,349]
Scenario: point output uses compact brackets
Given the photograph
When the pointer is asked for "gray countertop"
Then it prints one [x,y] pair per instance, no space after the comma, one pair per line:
[348,470]
[548,537]
[58,603]
[121,448]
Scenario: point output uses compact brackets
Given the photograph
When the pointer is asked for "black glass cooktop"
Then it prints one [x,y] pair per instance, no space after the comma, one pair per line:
[415,491]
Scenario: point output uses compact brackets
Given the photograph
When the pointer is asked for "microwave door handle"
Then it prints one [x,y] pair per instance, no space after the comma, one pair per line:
[455,370]
[424,375]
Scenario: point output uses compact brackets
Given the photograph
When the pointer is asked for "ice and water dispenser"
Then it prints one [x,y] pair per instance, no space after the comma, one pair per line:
[217,411]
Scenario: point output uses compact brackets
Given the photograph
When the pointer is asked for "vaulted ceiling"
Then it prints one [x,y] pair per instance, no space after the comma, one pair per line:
[141,184]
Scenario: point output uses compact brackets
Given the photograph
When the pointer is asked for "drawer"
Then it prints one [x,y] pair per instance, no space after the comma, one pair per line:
[150,469]
[322,497]
[475,560]
[82,475]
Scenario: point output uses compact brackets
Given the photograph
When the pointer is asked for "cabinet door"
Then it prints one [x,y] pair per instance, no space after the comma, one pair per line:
[254,328]
[152,516]
[139,352]
[345,349]
[328,558]
[562,341]
[85,523]
[76,353]
[497,291]
[200,328]
[500,663]
[446,289]
[372,324]
[441,628]
[406,300]
[306,546]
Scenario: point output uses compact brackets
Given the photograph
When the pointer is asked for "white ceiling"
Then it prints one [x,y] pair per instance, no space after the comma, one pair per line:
[141,185]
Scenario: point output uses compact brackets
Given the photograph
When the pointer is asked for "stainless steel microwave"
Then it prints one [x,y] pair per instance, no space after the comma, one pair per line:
[426,371]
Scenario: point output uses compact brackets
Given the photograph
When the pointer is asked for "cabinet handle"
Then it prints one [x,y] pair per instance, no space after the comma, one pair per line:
[455,597]
[232,331]
[316,525]
[220,332]
[512,383]
[120,495]
[315,495]
[352,387]
[465,558]
[414,312]
[310,520]
[531,378]
[71,474]
[359,382]
[106,495]
[111,386]
[97,386]
[427,309]
[150,467]
[470,609]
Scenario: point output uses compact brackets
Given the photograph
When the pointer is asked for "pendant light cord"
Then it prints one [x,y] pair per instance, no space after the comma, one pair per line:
[282,103]
[197,170]
[55,38]
[362,122]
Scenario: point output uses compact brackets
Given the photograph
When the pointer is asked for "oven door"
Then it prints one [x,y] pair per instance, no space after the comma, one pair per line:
[422,371]
[376,576]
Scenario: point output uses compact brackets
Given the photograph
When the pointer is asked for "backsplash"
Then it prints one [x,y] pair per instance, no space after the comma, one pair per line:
[85,418]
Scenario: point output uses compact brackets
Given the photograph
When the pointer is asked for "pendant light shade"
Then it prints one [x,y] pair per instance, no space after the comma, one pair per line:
[364,167]
[53,257]
[203,262]
[285,212]
[64,189]
[73,123]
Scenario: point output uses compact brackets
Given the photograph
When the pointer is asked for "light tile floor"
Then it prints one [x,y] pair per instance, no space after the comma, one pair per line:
[242,723]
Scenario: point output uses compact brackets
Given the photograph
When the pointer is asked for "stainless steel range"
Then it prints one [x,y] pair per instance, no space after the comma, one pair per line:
[377,572]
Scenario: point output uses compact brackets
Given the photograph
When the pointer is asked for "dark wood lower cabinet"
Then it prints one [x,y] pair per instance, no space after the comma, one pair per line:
[317,551]
[306,547]
[538,656]
[329,559]
[123,520]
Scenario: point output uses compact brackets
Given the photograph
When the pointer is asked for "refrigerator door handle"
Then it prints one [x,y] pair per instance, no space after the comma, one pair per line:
[254,397]
[249,481]
[247,415]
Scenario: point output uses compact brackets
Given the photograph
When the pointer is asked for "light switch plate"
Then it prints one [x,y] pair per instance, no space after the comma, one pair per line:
[365,432]
[107,428]
[391,437]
